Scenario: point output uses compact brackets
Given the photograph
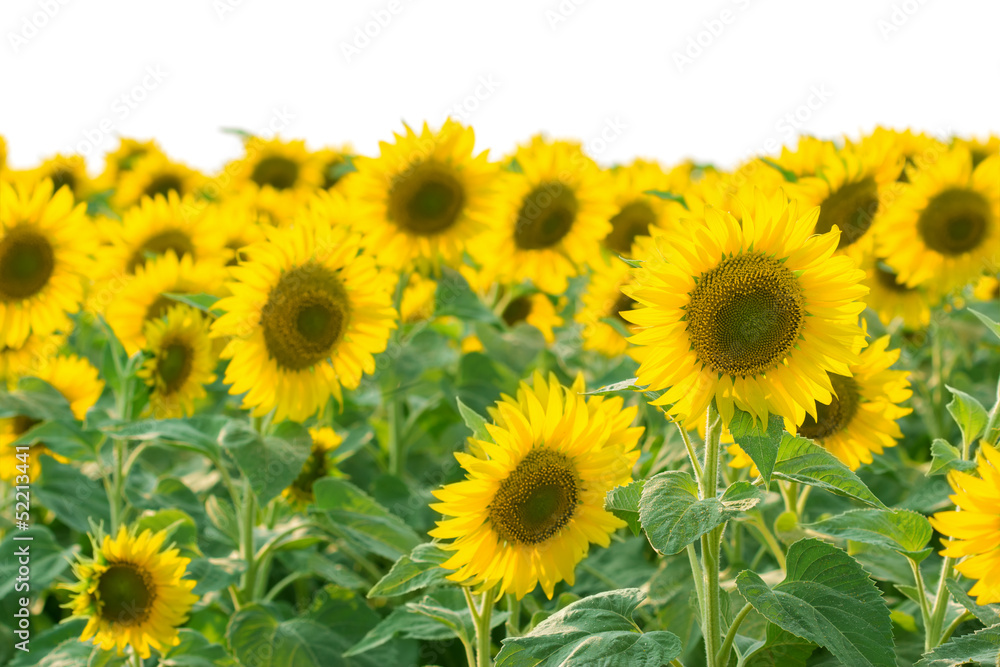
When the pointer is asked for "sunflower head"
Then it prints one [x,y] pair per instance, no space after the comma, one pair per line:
[46,244]
[132,593]
[638,212]
[752,313]
[153,174]
[182,361]
[69,171]
[532,501]
[334,164]
[320,464]
[535,309]
[973,531]
[424,198]
[306,315]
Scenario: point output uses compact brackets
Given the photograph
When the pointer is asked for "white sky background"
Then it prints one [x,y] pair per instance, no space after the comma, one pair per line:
[610,66]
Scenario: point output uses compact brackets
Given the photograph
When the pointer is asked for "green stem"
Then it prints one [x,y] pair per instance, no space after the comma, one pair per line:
[757,521]
[395,441]
[514,617]
[937,367]
[925,609]
[992,432]
[248,519]
[692,454]
[117,485]
[958,620]
[727,644]
[470,654]
[790,493]
[933,638]
[483,630]
[280,586]
[710,543]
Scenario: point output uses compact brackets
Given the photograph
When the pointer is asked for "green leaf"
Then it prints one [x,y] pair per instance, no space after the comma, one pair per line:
[990,324]
[901,530]
[988,614]
[968,413]
[669,196]
[828,599]
[454,297]
[272,462]
[351,512]
[36,399]
[420,569]
[214,574]
[761,445]
[779,648]
[673,516]
[474,421]
[628,384]
[623,502]
[72,496]
[52,641]
[982,647]
[181,528]
[597,630]
[803,461]
[195,650]
[47,560]
[197,434]
[947,457]
[336,573]
[202,302]
[65,439]
[788,175]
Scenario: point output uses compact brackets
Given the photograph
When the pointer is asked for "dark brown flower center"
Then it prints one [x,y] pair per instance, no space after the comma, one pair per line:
[517,310]
[836,416]
[537,499]
[887,278]
[27,261]
[426,199]
[546,216]
[279,172]
[174,365]
[955,221]
[162,184]
[852,208]
[634,219]
[126,594]
[158,244]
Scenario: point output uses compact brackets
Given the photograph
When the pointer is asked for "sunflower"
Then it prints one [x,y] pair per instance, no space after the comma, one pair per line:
[182,361]
[424,198]
[319,464]
[144,295]
[981,148]
[945,225]
[604,300]
[157,226]
[418,299]
[238,224]
[125,157]
[3,154]
[917,148]
[132,593]
[78,382]
[555,211]
[754,315]
[535,309]
[63,170]
[307,313]
[334,165]
[155,174]
[890,298]
[975,526]
[852,189]
[45,256]
[284,167]
[809,155]
[636,211]
[533,498]
[987,289]
[35,352]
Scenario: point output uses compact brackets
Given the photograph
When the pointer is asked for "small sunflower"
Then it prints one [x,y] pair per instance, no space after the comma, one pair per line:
[987,289]
[537,310]
[144,295]
[890,298]
[974,528]
[754,315]
[424,198]
[533,499]
[945,226]
[638,212]
[285,167]
[334,165]
[63,170]
[238,223]
[73,377]
[555,212]
[34,353]
[981,148]
[604,300]
[155,174]
[132,593]
[852,189]
[808,157]
[306,315]
[122,160]
[159,226]
[917,148]
[182,361]
[45,255]
[319,465]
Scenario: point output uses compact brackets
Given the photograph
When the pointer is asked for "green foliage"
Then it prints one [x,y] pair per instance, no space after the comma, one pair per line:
[270,463]
[982,648]
[947,458]
[761,445]
[623,502]
[803,461]
[346,510]
[903,531]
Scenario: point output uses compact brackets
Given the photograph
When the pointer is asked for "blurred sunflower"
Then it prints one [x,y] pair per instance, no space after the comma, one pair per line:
[45,256]
[155,174]
[132,593]
[122,160]
[238,225]
[334,165]
[182,361]
[987,289]
[424,198]
[890,298]
[918,149]
[555,211]
[306,315]
[753,314]
[533,498]
[637,213]
[78,382]
[945,225]
[285,167]
[603,300]
[160,226]
[320,464]
[418,299]
[535,309]
[974,528]
[981,148]
[144,296]
[851,188]
[3,154]
[808,156]
[63,170]
[24,360]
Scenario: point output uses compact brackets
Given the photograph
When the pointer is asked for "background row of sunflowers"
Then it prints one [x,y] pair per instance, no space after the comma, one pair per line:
[379,303]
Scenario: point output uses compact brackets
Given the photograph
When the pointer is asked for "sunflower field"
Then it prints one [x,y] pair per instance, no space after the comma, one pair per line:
[433,406]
